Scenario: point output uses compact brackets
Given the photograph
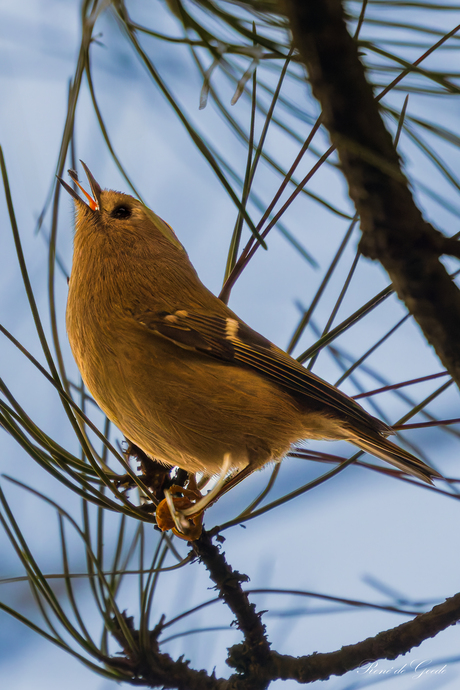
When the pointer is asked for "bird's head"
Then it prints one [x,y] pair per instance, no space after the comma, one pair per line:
[108,211]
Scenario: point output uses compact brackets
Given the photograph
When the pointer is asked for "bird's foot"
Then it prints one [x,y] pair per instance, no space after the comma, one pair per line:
[184,514]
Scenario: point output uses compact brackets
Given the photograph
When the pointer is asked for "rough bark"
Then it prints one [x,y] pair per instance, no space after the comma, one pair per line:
[393,229]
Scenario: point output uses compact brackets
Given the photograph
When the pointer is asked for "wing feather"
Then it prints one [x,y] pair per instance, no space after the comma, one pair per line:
[233,341]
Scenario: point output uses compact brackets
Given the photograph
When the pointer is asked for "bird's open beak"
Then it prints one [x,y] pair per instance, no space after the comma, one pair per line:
[94,202]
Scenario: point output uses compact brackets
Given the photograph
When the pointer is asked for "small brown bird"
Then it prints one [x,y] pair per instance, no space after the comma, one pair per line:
[176,370]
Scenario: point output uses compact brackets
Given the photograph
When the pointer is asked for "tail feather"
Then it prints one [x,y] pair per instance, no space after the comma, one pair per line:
[382,448]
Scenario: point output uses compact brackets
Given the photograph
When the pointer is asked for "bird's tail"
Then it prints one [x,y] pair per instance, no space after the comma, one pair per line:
[382,448]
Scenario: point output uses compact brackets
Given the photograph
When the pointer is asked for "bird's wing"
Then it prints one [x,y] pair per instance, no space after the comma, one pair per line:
[231,340]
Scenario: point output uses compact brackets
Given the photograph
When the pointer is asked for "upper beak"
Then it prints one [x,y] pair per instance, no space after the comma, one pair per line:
[94,202]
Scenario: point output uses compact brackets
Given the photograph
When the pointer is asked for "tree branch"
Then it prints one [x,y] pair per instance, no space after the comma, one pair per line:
[253,656]
[253,660]
[386,645]
[255,663]
[393,229]
[152,668]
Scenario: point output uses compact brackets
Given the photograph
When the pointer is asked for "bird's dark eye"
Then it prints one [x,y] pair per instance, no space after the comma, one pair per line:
[121,212]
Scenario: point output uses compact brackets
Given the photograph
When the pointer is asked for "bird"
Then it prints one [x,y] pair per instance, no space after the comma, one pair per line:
[176,370]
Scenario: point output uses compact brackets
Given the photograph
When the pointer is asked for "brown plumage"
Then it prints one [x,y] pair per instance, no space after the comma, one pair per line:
[176,370]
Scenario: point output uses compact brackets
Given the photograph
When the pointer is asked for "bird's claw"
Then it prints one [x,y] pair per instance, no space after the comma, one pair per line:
[184,514]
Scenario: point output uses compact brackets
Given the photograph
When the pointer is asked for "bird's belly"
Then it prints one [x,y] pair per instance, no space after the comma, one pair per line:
[191,411]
